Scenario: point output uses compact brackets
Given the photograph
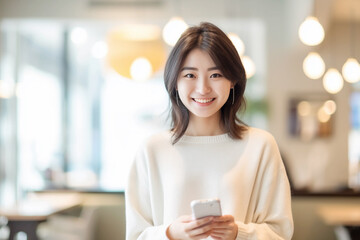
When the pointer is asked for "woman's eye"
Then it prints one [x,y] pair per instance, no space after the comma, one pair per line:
[215,75]
[189,75]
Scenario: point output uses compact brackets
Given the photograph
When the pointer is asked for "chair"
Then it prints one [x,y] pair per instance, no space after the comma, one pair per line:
[342,233]
[60,227]
[4,230]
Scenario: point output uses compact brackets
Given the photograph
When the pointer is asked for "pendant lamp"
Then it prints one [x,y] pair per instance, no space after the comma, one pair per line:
[238,43]
[249,66]
[311,32]
[333,81]
[313,65]
[351,70]
[173,30]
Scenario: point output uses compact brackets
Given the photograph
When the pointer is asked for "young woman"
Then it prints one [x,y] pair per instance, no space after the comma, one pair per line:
[208,153]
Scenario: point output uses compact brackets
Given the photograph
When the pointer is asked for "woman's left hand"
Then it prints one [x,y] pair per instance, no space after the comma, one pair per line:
[224,228]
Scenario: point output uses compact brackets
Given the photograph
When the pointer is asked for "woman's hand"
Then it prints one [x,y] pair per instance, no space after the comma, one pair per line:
[185,228]
[224,228]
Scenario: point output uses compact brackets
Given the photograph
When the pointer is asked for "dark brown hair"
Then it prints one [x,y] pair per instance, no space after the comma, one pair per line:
[214,41]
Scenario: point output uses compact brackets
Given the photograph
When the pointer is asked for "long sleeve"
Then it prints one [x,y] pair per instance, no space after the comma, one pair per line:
[139,210]
[272,217]
[250,180]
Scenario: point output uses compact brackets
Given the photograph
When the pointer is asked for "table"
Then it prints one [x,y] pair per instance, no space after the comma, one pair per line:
[26,215]
[342,215]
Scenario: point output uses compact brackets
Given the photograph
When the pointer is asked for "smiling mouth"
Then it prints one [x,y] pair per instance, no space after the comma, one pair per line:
[203,100]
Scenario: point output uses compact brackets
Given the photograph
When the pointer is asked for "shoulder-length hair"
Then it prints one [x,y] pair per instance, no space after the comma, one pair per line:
[214,41]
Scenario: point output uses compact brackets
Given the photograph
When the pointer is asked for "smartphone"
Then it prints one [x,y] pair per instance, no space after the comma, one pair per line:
[206,207]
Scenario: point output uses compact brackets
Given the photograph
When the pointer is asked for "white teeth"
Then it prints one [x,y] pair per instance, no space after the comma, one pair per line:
[203,100]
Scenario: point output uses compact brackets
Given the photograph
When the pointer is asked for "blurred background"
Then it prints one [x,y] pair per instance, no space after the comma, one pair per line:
[81,86]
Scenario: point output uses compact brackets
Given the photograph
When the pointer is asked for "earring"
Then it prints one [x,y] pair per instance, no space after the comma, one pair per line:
[233,95]
[177,97]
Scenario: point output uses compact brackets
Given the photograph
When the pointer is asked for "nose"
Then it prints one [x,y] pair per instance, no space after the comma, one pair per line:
[203,87]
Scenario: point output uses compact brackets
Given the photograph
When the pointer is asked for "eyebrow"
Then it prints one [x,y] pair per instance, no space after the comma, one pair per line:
[196,69]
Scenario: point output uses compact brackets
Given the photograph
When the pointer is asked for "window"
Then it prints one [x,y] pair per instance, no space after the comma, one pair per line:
[78,123]
[354,139]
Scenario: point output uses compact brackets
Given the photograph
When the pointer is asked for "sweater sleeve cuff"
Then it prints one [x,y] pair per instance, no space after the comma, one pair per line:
[255,231]
[244,231]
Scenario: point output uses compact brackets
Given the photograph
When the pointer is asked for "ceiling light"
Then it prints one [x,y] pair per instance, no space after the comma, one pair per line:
[249,66]
[311,32]
[351,70]
[313,65]
[78,35]
[329,107]
[173,30]
[125,49]
[333,81]
[238,43]
[141,69]
[323,116]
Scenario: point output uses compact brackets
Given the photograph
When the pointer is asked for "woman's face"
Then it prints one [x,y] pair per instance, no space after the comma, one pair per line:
[201,85]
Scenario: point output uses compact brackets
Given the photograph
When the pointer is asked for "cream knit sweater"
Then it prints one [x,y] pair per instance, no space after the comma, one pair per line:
[247,175]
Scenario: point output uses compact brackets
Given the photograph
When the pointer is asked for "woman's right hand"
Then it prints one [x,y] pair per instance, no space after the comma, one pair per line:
[185,228]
